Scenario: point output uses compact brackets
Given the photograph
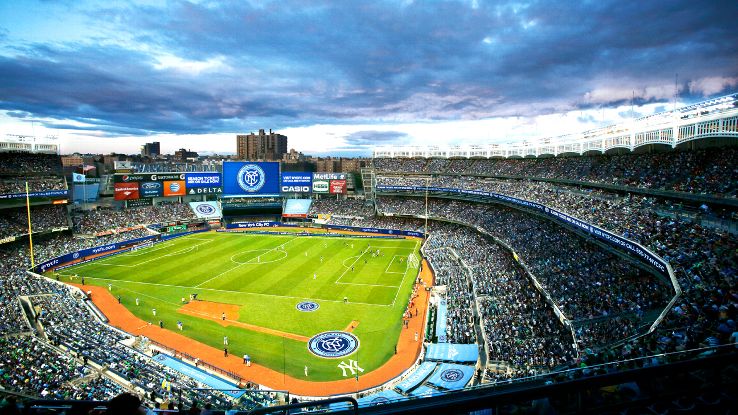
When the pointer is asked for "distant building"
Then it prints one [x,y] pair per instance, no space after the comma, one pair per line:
[183,154]
[326,165]
[74,160]
[261,146]
[151,149]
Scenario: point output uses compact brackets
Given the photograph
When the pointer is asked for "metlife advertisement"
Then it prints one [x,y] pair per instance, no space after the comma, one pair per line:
[250,179]
[297,182]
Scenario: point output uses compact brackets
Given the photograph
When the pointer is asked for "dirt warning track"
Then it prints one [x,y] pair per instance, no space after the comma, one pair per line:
[407,348]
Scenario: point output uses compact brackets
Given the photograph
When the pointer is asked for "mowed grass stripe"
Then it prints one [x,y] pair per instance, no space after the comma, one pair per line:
[268,293]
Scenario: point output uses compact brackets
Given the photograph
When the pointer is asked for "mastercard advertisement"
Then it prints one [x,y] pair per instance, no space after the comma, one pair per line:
[174,188]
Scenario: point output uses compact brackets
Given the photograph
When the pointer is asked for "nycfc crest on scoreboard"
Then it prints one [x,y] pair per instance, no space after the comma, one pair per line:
[251,178]
[333,344]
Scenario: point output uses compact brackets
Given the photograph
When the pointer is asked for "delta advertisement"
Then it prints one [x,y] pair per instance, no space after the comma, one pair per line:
[297,182]
[324,183]
[595,231]
[250,179]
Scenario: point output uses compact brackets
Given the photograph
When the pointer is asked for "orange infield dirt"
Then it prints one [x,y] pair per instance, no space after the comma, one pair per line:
[407,348]
[214,311]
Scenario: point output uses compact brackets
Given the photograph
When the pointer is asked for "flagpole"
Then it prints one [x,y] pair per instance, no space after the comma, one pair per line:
[30,230]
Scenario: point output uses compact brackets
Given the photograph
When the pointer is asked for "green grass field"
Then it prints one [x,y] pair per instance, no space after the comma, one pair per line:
[266,276]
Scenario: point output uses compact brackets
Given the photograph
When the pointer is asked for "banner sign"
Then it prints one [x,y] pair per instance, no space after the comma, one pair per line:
[50,193]
[126,191]
[204,190]
[197,180]
[249,179]
[122,165]
[596,232]
[74,256]
[151,189]
[337,187]
[147,177]
[441,321]
[140,202]
[174,188]
[329,176]
[206,210]
[321,186]
[297,182]
[78,178]
[394,232]
[249,225]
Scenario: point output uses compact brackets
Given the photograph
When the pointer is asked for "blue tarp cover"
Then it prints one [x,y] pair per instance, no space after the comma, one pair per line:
[199,375]
[420,374]
[425,392]
[449,352]
[450,376]
[441,322]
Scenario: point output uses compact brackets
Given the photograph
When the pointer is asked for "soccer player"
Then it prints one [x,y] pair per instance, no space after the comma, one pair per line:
[225,340]
[137,301]
[306,371]
[222,316]
[153,310]
[179,325]
[315,275]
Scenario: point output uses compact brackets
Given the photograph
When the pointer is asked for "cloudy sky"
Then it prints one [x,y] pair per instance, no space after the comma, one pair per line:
[343,76]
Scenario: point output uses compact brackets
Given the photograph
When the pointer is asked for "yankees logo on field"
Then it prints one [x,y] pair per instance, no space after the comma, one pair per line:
[251,178]
[307,306]
[333,344]
[205,209]
[451,375]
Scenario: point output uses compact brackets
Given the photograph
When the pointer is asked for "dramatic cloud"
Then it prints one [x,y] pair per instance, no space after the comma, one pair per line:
[206,67]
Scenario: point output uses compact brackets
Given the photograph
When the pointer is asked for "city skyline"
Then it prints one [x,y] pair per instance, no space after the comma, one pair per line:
[340,78]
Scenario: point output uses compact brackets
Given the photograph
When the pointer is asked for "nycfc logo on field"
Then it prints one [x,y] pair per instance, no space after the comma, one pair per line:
[451,375]
[307,306]
[333,344]
[174,187]
[205,209]
[251,178]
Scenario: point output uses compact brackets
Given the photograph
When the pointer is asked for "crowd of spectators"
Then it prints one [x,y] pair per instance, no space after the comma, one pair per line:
[520,327]
[14,222]
[104,219]
[35,184]
[711,171]
[563,262]
[347,208]
[18,162]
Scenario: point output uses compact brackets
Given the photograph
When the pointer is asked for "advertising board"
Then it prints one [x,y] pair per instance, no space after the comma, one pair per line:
[337,187]
[125,191]
[174,188]
[200,180]
[296,182]
[151,189]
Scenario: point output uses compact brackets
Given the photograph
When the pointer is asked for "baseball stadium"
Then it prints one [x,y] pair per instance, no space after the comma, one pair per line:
[486,208]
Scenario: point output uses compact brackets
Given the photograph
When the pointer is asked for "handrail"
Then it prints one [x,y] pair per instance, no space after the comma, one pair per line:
[286,408]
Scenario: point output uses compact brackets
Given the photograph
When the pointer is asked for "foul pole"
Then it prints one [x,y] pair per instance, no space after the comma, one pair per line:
[30,230]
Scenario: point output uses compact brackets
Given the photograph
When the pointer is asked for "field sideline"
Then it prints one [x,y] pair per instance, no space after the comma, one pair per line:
[258,280]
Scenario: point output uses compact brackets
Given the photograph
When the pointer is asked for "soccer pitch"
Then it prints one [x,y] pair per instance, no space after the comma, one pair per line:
[258,280]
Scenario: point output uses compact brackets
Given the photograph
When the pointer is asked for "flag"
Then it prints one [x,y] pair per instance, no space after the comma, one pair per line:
[78,178]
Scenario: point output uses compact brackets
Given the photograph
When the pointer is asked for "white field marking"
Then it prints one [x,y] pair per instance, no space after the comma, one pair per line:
[403,279]
[387,271]
[351,257]
[258,261]
[178,252]
[368,285]
[390,247]
[352,264]
[280,247]
[158,247]
[236,292]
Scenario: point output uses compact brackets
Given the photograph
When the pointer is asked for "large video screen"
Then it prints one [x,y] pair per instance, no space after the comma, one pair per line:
[250,178]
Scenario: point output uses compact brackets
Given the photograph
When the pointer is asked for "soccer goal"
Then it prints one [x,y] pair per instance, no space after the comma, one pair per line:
[413,260]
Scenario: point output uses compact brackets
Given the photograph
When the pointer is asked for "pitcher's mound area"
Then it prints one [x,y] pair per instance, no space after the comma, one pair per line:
[214,311]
